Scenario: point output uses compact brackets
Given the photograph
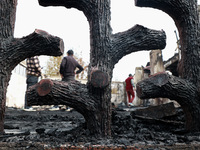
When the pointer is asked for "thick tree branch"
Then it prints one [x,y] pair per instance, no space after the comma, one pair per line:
[51,92]
[73,94]
[37,43]
[99,79]
[136,39]
[177,9]
[79,4]
[166,86]
[174,88]
[185,16]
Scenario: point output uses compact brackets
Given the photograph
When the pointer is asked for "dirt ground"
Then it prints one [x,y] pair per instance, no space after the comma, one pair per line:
[60,129]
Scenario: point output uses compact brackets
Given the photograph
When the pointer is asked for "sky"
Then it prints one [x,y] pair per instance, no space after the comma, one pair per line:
[72,26]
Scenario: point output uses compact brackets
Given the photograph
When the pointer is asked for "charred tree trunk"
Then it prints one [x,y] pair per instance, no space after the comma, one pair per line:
[13,50]
[106,50]
[187,87]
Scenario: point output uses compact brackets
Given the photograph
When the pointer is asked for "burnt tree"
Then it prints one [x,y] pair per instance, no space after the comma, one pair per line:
[93,100]
[186,88]
[15,50]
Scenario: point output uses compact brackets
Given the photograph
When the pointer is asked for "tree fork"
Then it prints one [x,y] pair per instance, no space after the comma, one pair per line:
[73,94]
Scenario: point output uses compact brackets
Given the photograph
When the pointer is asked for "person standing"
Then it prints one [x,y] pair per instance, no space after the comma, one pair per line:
[34,71]
[129,89]
[68,66]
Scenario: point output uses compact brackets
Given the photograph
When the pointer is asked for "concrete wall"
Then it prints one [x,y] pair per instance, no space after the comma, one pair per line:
[15,95]
[117,92]
[139,75]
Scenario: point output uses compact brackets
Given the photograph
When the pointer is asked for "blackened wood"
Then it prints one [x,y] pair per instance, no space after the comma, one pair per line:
[99,79]
[15,50]
[44,87]
[73,94]
[156,112]
[174,88]
[37,43]
[128,41]
[106,50]
[185,16]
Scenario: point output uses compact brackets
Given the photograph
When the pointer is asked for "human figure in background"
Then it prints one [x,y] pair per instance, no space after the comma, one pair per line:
[68,66]
[34,71]
[129,89]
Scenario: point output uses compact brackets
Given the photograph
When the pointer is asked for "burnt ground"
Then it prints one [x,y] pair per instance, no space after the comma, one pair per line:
[61,129]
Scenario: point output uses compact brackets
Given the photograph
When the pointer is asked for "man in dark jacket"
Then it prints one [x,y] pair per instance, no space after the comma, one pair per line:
[68,66]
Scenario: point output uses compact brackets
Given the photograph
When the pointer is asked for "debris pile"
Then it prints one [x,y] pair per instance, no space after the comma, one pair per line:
[130,129]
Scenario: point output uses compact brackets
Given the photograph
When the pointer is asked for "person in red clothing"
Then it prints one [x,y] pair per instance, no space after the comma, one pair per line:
[129,89]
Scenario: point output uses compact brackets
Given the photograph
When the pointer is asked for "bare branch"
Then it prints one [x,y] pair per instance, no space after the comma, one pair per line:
[166,86]
[51,92]
[136,39]
[79,4]
[177,9]
[37,43]
[174,88]
[185,16]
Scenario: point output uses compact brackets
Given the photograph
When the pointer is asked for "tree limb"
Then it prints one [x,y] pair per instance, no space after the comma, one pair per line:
[37,43]
[136,39]
[79,4]
[185,16]
[166,86]
[51,92]
[175,8]
[174,88]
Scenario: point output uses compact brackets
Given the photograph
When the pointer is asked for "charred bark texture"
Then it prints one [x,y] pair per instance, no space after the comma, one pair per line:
[106,50]
[141,39]
[15,50]
[185,90]
[99,79]
[73,94]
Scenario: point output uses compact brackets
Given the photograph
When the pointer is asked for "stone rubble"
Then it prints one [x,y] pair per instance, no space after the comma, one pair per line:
[48,129]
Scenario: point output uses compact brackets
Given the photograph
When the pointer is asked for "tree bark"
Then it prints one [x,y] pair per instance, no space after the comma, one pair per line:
[185,16]
[187,87]
[106,50]
[183,91]
[73,94]
[14,50]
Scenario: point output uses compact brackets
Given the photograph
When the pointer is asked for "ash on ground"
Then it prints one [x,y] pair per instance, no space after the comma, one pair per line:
[42,128]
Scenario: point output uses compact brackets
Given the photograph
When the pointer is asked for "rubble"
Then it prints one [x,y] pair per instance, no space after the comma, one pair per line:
[159,111]
[44,129]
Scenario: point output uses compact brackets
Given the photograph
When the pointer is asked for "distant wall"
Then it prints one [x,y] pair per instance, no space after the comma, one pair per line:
[117,92]
[17,87]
